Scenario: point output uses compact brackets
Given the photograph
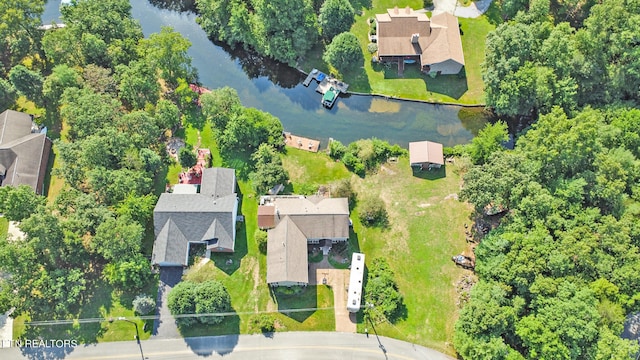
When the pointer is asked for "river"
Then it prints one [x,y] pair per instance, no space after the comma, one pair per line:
[278,89]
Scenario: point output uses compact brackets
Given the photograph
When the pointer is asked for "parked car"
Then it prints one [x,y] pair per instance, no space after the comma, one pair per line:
[464,261]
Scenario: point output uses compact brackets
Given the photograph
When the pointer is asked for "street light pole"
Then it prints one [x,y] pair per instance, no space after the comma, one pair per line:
[368,316]
[122,318]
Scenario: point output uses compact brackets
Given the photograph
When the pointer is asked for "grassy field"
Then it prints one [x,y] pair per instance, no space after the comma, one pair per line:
[427,228]
[378,79]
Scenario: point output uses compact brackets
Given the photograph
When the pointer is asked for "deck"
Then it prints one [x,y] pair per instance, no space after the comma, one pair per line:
[326,84]
[302,143]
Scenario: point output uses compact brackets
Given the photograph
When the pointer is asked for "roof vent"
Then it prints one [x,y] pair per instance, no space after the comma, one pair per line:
[414,38]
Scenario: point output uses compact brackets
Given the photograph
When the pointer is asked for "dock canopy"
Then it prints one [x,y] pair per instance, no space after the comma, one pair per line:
[425,154]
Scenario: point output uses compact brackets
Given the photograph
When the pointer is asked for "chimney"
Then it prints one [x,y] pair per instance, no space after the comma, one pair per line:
[395,10]
[407,10]
[414,38]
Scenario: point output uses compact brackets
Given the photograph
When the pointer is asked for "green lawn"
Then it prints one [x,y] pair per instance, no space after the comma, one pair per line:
[307,168]
[378,79]
[427,228]
[105,303]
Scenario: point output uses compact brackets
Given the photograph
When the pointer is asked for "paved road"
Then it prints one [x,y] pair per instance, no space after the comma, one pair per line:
[290,345]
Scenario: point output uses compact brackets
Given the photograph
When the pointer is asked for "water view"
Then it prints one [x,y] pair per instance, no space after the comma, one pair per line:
[277,88]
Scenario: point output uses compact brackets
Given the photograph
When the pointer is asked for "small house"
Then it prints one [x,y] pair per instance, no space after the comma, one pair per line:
[426,154]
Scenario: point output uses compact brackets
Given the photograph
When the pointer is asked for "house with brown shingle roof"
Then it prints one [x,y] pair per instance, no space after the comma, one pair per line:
[293,222]
[405,35]
[24,151]
[426,154]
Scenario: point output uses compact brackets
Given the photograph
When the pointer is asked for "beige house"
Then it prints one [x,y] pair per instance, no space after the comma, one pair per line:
[293,222]
[406,36]
[426,154]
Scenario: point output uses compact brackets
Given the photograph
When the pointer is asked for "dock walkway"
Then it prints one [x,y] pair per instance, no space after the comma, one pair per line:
[328,86]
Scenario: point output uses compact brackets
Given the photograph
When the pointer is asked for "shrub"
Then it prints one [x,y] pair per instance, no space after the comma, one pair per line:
[382,291]
[336,149]
[372,212]
[143,304]
[353,163]
[372,47]
[193,298]
[187,157]
[261,240]
[343,188]
[262,323]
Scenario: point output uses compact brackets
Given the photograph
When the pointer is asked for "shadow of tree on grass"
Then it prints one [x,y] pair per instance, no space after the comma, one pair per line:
[298,303]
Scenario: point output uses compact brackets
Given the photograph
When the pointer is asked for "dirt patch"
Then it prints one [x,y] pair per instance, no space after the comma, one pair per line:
[386,170]
[463,289]
[451,196]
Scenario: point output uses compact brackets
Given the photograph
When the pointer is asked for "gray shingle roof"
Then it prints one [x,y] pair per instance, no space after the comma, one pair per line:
[23,154]
[218,182]
[287,254]
[183,218]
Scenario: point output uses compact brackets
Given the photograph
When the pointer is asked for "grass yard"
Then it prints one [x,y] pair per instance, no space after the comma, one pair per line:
[427,228]
[378,79]
[312,169]
[105,303]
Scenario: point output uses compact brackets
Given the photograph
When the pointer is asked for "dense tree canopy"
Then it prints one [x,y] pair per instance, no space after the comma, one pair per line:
[19,35]
[336,16]
[167,51]
[560,272]
[533,64]
[281,29]
[91,235]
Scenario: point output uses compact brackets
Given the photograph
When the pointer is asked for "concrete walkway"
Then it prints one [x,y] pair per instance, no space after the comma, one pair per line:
[164,327]
[338,279]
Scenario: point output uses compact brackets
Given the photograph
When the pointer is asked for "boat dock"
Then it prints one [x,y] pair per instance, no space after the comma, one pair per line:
[300,142]
[329,87]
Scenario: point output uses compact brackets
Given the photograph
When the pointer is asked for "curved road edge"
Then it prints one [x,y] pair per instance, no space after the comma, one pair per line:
[285,345]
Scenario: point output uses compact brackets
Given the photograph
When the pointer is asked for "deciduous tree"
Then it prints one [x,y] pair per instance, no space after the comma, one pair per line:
[336,16]
[344,52]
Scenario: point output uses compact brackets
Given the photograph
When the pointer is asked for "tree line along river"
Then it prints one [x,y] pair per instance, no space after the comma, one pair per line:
[277,89]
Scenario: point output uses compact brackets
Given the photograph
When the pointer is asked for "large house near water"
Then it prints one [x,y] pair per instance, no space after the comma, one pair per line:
[196,214]
[293,222]
[24,151]
[407,36]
